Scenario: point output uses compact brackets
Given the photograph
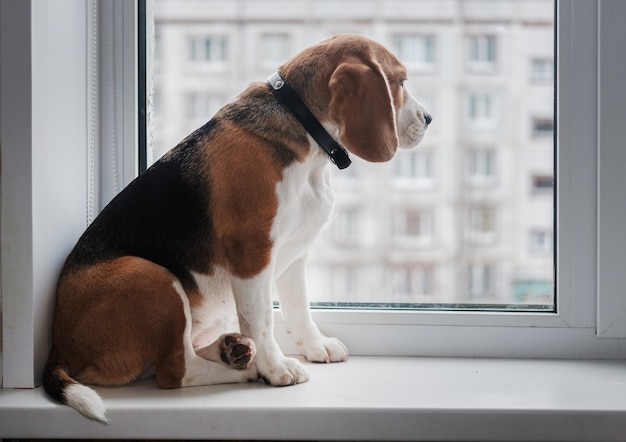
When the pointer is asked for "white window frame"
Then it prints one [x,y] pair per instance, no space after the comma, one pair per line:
[35,237]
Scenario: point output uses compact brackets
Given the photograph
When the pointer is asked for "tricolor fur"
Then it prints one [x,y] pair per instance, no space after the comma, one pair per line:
[175,277]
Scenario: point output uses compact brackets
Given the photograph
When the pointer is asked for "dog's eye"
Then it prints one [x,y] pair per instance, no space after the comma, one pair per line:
[402,83]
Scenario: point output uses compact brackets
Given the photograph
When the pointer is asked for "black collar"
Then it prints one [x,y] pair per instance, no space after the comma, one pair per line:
[287,96]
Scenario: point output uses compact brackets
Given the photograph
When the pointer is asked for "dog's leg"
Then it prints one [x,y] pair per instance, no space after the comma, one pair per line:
[294,305]
[227,360]
[256,320]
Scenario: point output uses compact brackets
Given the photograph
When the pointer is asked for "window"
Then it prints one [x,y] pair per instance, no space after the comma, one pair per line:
[346,227]
[416,51]
[427,203]
[542,127]
[413,227]
[411,283]
[481,225]
[414,169]
[482,110]
[207,49]
[275,49]
[542,69]
[541,241]
[482,52]
[202,106]
[481,167]
[480,281]
[589,183]
[346,281]
[587,205]
[543,184]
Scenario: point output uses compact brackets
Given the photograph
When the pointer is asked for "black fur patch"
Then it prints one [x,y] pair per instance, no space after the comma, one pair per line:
[53,383]
[161,216]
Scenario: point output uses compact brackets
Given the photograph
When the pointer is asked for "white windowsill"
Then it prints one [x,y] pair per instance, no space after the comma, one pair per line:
[368,398]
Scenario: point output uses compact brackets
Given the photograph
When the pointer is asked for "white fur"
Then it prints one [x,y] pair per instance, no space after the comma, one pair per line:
[217,313]
[411,122]
[200,371]
[86,401]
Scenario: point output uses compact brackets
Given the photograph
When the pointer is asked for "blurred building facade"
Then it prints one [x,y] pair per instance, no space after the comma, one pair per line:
[465,218]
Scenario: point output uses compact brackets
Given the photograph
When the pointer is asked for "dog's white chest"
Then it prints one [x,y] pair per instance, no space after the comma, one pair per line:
[305,201]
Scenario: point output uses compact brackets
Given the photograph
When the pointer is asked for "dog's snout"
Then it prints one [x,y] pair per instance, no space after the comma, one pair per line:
[427,117]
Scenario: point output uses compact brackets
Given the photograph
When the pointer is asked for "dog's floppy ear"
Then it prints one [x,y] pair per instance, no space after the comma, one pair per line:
[361,104]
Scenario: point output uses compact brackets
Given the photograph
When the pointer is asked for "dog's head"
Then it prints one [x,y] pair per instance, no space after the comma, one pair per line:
[357,85]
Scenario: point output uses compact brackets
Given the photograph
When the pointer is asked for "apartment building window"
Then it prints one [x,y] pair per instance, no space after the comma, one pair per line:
[417,52]
[275,49]
[202,106]
[411,281]
[481,225]
[483,109]
[542,184]
[481,167]
[413,226]
[346,226]
[542,69]
[481,280]
[346,281]
[414,169]
[542,127]
[482,52]
[541,241]
[209,49]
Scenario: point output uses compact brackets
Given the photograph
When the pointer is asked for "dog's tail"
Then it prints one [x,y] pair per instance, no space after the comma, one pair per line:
[60,386]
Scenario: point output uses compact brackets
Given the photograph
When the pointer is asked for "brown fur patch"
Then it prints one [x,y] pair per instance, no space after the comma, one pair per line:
[244,201]
[116,318]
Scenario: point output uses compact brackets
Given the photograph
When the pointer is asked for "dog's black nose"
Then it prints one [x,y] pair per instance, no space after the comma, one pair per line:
[428,117]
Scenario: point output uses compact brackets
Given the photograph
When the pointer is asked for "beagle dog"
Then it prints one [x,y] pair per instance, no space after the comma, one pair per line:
[218,225]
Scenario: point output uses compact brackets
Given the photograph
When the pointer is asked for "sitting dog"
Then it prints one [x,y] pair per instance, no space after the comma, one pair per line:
[219,224]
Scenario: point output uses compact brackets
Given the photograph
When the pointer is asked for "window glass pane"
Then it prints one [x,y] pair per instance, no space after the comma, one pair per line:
[465,219]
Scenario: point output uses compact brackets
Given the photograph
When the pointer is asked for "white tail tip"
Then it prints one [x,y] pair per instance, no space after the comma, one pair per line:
[86,402]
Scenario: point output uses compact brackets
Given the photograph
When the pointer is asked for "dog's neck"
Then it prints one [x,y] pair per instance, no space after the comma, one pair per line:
[290,99]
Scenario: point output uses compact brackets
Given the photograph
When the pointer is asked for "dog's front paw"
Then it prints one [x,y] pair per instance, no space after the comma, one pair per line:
[282,371]
[323,349]
[237,351]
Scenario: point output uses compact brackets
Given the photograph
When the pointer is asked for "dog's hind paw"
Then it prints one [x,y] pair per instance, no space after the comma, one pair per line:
[237,351]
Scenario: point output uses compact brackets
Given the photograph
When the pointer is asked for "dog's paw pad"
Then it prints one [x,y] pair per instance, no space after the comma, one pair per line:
[237,351]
